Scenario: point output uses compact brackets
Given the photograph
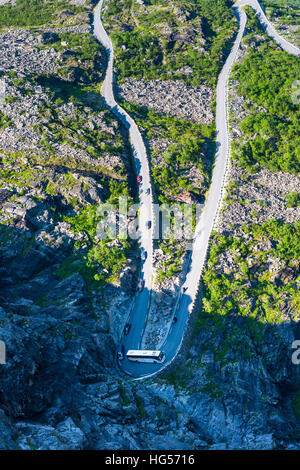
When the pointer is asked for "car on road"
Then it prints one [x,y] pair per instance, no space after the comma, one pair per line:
[143,254]
[183,289]
[139,179]
[147,191]
[127,328]
[148,224]
[140,285]
[121,352]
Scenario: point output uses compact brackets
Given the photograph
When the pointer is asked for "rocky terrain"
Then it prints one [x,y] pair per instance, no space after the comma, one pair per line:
[171,97]
[19,52]
[254,197]
[171,256]
[166,41]
[165,290]
[167,92]
[61,155]
[62,306]
[286,19]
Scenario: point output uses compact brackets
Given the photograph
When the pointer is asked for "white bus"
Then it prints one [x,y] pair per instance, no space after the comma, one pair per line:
[140,355]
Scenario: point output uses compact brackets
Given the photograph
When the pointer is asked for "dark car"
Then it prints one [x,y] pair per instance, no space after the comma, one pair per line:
[121,352]
[148,224]
[127,328]
[143,254]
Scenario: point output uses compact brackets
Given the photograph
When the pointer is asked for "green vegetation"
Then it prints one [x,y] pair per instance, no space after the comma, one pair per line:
[293,200]
[250,288]
[282,8]
[188,141]
[189,146]
[140,405]
[11,99]
[79,130]
[76,132]
[62,91]
[271,136]
[83,44]
[34,12]
[4,121]
[285,3]
[83,62]
[180,379]
[125,399]
[296,405]
[63,181]
[25,171]
[172,259]
[145,48]
[98,265]
[97,261]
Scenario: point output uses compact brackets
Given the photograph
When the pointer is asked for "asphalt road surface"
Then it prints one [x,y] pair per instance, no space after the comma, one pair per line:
[142,169]
[139,312]
[269,29]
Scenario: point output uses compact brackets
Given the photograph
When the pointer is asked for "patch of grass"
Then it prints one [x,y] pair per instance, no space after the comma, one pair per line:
[293,199]
[204,31]
[213,389]
[140,405]
[5,121]
[188,141]
[98,263]
[33,12]
[296,405]
[247,291]
[270,137]
[171,264]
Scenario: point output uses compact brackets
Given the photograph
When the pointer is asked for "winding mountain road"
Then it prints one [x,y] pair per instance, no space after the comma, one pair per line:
[138,315]
[142,299]
[269,29]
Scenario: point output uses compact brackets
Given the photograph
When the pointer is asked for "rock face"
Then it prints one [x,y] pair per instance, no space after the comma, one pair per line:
[65,436]
[60,388]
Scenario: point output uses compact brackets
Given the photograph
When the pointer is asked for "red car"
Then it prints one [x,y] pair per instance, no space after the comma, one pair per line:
[139,179]
[140,285]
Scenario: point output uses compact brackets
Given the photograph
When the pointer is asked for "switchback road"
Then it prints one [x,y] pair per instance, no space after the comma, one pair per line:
[138,315]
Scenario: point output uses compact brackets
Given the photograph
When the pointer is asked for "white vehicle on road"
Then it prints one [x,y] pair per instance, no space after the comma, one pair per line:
[145,355]
[209,215]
